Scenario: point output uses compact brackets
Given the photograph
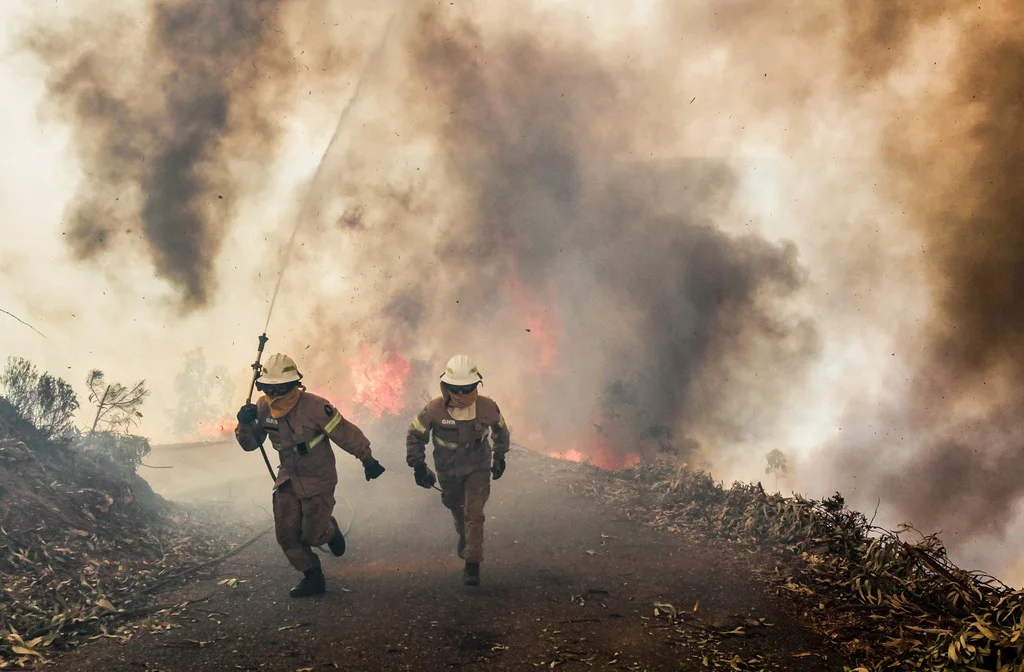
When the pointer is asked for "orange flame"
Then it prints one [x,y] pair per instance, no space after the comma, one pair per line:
[600,458]
[571,455]
[379,384]
[541,317]
[598,451]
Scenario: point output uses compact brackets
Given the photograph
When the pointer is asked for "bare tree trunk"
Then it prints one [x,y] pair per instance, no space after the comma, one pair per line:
[99,410]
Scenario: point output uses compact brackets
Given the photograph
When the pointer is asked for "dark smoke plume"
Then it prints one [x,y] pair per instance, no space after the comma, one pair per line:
[169,126]
[663,325]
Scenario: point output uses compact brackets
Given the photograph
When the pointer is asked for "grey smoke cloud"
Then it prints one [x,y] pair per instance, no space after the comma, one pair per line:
[497,180]
[600,279]
[958,154]
[171,123]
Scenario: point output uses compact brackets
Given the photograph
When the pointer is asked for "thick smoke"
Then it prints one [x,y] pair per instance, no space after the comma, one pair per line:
[595,285]
[495,193]
[940,80]
[666,327]
[952,448]
[170,125]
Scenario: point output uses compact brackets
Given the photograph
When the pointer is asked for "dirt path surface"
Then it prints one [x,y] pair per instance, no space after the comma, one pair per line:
[566,584]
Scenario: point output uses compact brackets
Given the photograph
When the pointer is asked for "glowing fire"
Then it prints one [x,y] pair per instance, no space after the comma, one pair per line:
[600,453]
[602,445]
[571,455]
[541,317]
[379,383]
[214,430]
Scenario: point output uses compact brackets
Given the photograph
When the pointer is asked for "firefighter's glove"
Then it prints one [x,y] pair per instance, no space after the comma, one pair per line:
[247,414]
[372,468]
[498,467]
[425,478]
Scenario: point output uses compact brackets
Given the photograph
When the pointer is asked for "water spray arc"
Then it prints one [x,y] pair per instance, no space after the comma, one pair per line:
[306,208]
[6,312]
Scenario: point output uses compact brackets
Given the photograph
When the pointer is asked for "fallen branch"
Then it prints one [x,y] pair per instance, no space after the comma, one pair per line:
[934,565]
[203,565]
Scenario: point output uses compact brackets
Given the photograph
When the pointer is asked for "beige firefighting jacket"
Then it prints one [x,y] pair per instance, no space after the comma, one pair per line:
[460,446]
[310,422]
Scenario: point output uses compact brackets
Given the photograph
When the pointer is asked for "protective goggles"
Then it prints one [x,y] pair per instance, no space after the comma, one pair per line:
[278,390]
[461,389]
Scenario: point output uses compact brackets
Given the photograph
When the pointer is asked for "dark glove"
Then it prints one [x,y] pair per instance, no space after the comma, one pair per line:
[248,414]
[372,468]
[425,478]
[498,467]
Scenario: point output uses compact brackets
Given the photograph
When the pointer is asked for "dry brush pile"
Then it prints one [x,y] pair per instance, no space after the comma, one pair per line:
[81,546]
[919,611]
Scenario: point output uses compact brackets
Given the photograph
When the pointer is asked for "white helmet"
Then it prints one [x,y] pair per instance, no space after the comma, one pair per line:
[279,369]
[461,370]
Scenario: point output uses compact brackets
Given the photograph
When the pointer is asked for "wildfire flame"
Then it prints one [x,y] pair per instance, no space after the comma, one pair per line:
[542,319]
[379,383]
[571,455]
[599,451]
[600,458]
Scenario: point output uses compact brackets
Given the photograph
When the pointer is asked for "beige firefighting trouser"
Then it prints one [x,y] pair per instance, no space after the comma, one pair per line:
[465,496]
[301,523]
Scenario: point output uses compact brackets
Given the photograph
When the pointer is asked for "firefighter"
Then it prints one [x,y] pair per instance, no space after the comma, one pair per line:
[462,424]
[299,425]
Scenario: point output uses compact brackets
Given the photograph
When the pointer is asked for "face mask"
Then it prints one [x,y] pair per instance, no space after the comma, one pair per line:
[280,406]
[464,400]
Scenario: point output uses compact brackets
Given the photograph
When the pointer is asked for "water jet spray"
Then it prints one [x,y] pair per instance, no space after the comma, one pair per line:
[6,312]
[306,208]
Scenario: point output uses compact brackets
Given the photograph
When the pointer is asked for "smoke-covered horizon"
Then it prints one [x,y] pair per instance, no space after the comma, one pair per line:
[702,232]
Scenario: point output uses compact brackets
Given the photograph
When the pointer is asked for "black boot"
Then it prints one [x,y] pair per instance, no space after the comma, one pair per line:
[460,548]
[471,574]
[337,541]
[312,583]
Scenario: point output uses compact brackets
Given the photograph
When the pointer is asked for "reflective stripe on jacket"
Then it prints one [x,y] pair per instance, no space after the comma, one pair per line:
[460,446]
[306,458]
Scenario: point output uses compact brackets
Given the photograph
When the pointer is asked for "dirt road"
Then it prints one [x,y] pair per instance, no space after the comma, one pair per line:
[566,584]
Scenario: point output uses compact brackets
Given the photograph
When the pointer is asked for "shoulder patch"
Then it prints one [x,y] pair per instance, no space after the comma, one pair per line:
[329,410]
